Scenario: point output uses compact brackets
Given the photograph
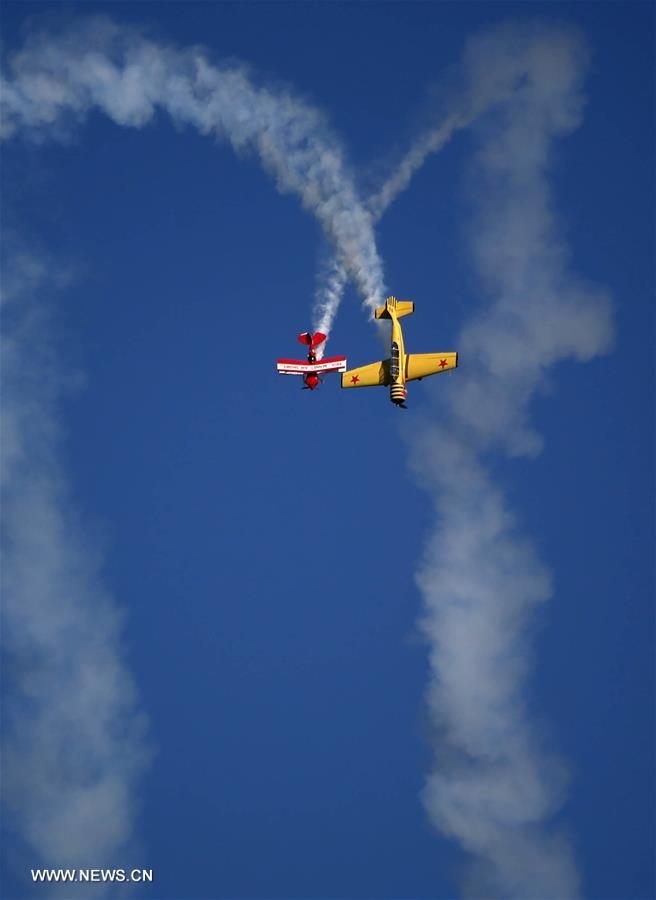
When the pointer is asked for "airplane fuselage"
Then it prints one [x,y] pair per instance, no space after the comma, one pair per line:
[397,363]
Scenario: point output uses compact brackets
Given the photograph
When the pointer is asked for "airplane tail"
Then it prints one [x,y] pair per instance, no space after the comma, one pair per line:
[313,340]
[398,307]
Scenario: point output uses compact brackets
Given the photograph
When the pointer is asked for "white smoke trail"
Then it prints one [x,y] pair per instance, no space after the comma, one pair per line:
[73,750]
[73,744]
[426,144]
[493,787]
[334,275]
[54,82]
[485,89]
[331,281]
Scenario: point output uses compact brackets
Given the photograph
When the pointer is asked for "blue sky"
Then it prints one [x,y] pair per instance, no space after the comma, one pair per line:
[263,543]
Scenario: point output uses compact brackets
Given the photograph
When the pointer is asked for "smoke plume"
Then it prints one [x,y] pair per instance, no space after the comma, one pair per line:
[73,730]
[334,275]
[73,735]
[55,81]
[481,89]
[493,787]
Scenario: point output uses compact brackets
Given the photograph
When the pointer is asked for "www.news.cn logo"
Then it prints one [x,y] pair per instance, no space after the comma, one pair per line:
[92,875]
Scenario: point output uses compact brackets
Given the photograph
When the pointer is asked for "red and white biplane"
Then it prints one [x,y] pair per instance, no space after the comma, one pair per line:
[312,369]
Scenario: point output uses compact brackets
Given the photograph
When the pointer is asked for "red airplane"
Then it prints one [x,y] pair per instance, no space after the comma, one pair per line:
[311,369]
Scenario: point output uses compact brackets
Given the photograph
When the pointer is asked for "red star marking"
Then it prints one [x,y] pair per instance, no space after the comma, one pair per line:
[355,379]
[443,363]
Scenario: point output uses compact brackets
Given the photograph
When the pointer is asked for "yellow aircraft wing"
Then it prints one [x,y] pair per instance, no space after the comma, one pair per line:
[367,376]
[419,365]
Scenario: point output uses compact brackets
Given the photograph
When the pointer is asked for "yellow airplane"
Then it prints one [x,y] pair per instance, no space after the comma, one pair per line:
[401,366]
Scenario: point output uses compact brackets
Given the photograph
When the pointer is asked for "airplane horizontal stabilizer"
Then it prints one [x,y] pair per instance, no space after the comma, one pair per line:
[312,340]
[402,308]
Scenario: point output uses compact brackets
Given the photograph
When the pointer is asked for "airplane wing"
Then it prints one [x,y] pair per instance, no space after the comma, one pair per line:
[334,364]
[367,376]
[419,365]
[303,367]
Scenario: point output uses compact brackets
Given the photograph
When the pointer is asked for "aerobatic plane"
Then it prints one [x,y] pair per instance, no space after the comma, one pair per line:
[401,367]
[312,369]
